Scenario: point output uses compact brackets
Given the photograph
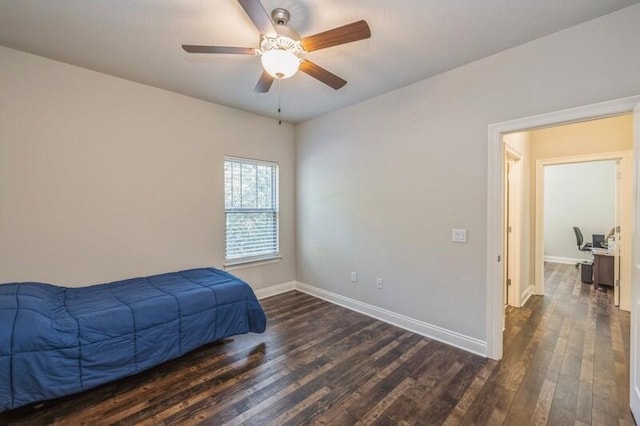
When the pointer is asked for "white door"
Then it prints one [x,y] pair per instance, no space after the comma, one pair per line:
[512,220]
[509,246]
[634,356]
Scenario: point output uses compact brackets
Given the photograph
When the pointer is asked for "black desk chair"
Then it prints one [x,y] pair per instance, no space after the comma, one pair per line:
[582,246]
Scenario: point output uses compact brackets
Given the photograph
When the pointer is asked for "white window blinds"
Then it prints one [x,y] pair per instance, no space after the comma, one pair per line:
[251,210]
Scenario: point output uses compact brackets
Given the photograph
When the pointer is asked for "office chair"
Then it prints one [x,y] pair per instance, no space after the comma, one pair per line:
[582,246]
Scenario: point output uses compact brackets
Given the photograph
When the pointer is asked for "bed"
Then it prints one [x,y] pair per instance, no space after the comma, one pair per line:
[56,341]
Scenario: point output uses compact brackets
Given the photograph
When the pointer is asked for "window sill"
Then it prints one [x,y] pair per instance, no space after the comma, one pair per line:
[241,264]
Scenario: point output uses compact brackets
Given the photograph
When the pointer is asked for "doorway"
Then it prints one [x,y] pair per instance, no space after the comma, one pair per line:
[495,223]
[495,197]
[619,218]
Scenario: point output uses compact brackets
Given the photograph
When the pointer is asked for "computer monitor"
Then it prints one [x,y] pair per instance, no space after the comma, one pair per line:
[598,241]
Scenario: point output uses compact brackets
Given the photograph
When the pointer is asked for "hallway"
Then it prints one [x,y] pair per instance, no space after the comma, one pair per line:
[566,355]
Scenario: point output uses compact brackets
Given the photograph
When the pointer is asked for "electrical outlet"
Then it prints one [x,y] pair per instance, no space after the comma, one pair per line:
[354,277]
[379,283]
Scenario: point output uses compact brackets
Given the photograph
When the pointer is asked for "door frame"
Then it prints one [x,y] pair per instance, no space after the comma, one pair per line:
[626,222]
[634,367]
[495,199]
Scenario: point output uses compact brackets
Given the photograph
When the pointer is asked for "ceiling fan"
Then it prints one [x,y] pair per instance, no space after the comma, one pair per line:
[282,50]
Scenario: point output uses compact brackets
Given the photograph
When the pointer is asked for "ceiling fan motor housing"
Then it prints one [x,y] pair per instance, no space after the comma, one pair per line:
[280,16]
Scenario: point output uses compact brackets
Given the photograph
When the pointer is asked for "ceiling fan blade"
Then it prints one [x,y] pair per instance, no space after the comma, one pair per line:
[219,49]
[341,35]
[264,83]
[258,16]
[319,73]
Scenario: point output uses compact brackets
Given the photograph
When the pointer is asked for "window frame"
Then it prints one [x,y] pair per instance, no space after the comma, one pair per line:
[275,193]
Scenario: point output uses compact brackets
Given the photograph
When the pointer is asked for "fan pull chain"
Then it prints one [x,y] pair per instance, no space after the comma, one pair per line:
[279,99]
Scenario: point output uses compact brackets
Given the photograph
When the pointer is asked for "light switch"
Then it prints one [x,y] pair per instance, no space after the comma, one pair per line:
[459,235]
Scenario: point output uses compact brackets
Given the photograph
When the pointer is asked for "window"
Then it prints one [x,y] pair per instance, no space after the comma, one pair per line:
[251,210]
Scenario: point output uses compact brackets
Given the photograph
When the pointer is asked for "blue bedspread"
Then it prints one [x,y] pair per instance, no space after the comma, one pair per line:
[56,341]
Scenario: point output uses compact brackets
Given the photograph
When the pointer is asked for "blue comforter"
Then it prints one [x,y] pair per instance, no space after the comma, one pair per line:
[56,341]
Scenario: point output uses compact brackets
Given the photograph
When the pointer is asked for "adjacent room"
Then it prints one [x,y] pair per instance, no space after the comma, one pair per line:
[298,212]
[567,191]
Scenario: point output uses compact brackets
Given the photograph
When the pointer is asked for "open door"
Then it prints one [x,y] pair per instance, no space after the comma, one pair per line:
[513,223]
[508,252]
[634,356]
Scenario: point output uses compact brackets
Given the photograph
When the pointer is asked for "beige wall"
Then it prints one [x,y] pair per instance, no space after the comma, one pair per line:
[612,134]
[102,178]
[590,137]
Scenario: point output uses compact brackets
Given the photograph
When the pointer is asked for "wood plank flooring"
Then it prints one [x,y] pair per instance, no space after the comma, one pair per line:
[566,362]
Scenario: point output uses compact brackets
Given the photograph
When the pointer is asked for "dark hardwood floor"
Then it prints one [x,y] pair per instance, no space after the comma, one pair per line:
[566,362]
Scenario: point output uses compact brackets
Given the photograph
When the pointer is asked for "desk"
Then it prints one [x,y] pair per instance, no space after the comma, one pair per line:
[602,268]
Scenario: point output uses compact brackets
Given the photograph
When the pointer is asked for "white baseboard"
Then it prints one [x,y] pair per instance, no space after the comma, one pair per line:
[262,293]
[467,343]
[565,260]
[526,294]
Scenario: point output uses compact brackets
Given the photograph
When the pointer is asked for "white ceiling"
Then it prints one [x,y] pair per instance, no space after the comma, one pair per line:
[411,40]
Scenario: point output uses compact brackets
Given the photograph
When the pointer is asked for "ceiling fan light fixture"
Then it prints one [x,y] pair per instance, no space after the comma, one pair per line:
[280,63]
[283,51]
